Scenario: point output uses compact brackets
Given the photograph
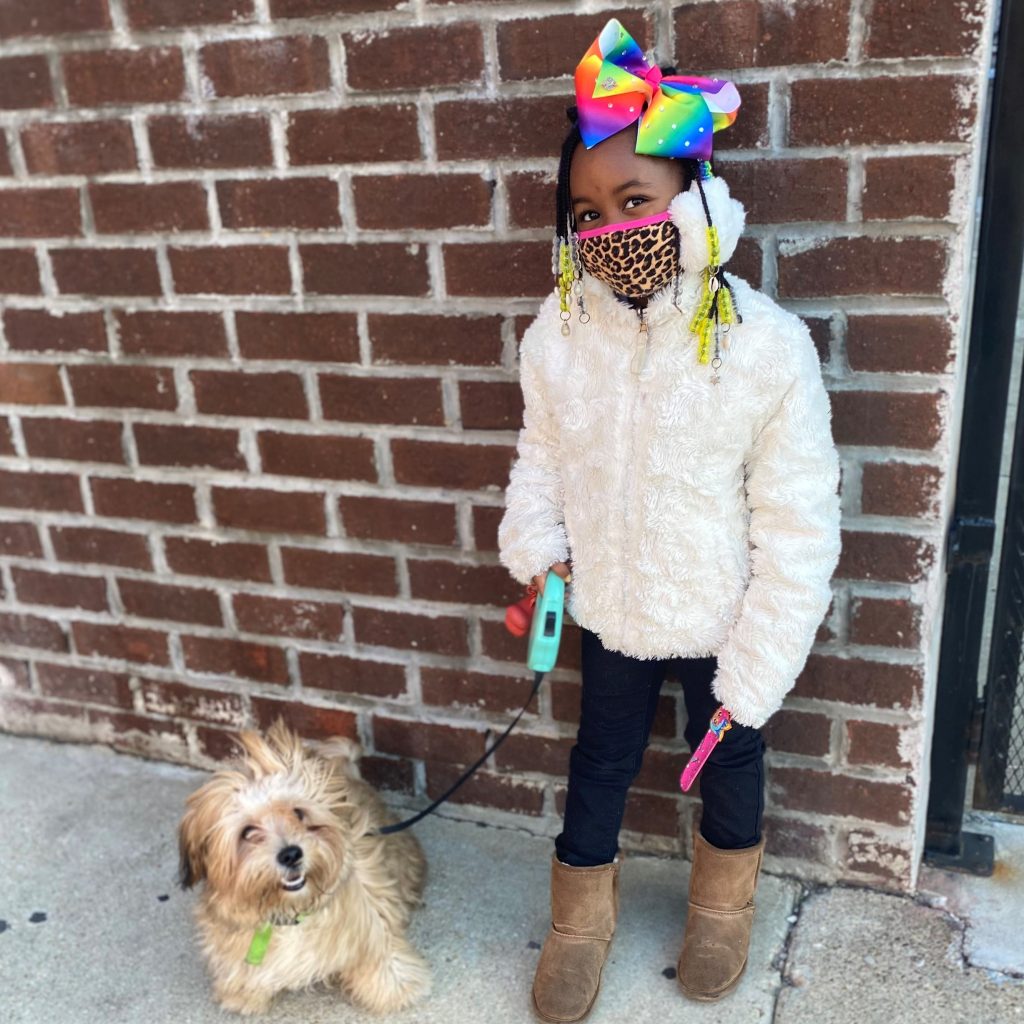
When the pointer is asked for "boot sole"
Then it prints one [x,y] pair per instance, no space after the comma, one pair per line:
[562,1020]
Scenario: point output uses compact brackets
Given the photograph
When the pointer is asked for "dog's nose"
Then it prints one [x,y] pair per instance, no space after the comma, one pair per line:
[289,856]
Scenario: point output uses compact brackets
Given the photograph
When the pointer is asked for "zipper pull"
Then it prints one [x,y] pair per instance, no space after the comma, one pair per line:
[639,356]
[643,319]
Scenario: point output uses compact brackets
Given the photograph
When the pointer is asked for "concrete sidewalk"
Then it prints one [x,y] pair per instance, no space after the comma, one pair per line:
[93,927]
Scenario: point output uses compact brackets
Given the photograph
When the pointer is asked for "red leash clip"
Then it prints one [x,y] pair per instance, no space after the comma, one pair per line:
[518,616]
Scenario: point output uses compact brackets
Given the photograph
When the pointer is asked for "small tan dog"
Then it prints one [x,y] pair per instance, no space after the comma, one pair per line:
[296,891]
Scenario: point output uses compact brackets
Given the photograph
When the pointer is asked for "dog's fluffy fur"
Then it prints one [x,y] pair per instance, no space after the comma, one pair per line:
[281,832]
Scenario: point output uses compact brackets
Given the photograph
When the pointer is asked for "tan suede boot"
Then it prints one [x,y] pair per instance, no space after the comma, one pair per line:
[719,919]
[584,910]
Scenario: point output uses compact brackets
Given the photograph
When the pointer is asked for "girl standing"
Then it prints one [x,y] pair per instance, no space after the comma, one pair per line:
[676,453]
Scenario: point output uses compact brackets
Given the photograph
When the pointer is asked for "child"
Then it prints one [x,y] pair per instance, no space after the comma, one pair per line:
[677,447]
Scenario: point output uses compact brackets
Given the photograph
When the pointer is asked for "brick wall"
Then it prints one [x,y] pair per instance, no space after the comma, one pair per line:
[266,263]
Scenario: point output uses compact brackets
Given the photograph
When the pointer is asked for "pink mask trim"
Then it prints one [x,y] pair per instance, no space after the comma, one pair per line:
[626,225]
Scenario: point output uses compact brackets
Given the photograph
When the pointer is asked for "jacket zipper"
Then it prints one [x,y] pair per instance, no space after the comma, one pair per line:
[637,364]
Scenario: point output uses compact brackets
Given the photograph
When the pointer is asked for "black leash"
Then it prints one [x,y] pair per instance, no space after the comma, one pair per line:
[388,829]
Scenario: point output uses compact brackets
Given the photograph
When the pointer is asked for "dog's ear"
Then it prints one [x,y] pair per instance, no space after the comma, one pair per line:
[191,859]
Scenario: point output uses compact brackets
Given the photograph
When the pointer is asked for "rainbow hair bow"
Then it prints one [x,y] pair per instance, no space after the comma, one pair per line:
[614,83]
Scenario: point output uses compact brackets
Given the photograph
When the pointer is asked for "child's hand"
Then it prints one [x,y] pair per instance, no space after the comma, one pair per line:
[560,568]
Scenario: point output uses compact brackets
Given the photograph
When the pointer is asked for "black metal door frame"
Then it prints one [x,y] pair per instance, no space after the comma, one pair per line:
[971,535]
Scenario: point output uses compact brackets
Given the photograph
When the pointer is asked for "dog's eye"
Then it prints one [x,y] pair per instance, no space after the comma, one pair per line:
[300,813]
[248,831]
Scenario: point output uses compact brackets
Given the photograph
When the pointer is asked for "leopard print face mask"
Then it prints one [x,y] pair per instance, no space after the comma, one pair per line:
[634,258]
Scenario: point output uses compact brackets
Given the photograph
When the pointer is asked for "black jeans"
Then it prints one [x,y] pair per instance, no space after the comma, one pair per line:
[619,700]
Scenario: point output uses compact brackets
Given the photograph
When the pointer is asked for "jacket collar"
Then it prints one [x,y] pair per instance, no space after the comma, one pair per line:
[687,212]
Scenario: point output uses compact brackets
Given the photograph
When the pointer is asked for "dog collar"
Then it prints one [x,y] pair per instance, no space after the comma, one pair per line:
[261,938]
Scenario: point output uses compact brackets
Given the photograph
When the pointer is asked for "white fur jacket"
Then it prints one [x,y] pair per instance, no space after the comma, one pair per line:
[698,518]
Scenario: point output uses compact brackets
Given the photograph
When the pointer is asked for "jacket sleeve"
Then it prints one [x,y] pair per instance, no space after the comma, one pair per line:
[531,535]
[792,495]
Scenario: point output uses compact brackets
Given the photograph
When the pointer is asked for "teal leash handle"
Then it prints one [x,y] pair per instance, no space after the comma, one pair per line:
[542,653]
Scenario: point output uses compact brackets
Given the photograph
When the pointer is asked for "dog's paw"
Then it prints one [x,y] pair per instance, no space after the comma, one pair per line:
[247,1002]
[398,980]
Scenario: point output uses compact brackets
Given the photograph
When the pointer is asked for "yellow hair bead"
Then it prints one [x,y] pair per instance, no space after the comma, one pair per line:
[714,251]
[704,341]
[726,310]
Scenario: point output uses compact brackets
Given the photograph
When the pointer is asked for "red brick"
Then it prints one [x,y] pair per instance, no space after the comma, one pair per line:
[21,539]
[179,700]
[340,571]
[531,196]
[123,386]
[326,458]
[60,589]
[88,685]
[148,599]
[490,405]
[781,191]
[36,330]
[651,814]
[231,270]
[32,631]
[745,33]
[899,344]
[439,634]
[437,464]
[906,187]
[52,17]
[427,740]
[394,59]
[388,773]
[217,655]
[747,261]
[423,201]
[443,580]
[40,212]
[117,640]
[312,337]
[903,419]
[353,135]
[143,499]
[48,437]
[408,522]
[900,489]
[875,743]
[30,384]
[19,272]
[150,75]
[175,13]
[6,170]
[887,623]
[830,794]
[159,207]
[383,268]
[913,28]
[894,557]
[864,266]
[308,721]
[274,616]
[498,268]
[750,130]
[797,732]
[250,508]
[450,687]
[486,520]
[435,340]
[229,393]
[834,111]
[230,560]
[106,271]
[871,854]
[228,140]
[486,790]
[279,203]
[382,399]
[265,67]
[525,753]
[860,681]
[314,8]
[798,840]
[540,47]
[217,744]
[101,546]
[24,81]
[342,674]
[177,444]
[85,147]
[505,129]
[159,333]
